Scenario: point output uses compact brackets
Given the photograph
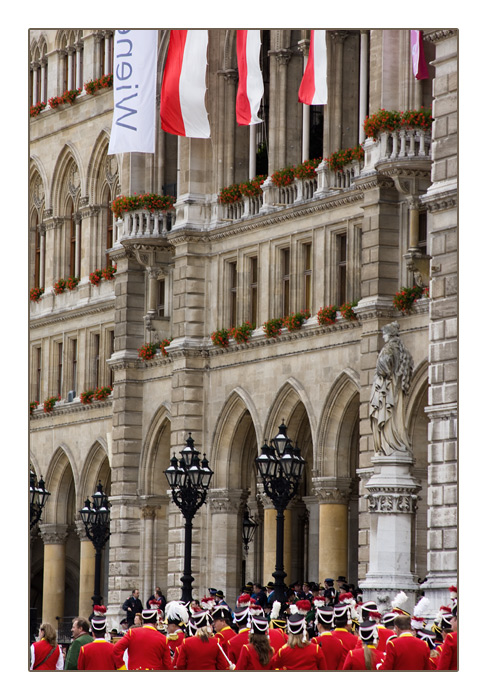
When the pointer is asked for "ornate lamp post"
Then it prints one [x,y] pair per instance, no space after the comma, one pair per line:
[249,527]
[280,467]
[38,497]
[96,520]
[189,480]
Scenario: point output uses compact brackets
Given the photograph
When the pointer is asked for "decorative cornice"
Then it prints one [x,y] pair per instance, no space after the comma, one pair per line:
[227,500]
[53,533]
[65,315]
[439,35]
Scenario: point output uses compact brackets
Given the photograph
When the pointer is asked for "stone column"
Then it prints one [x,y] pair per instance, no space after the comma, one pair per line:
[332,495]
[226,512]
[283,57]
[79,78]
[364,82]
[71,54]
[42,261]
[54,538]
[35,81]
[77,219]
[442,410]
[303,46]
[148,515]
[335,93]
[43,80]
[86,572]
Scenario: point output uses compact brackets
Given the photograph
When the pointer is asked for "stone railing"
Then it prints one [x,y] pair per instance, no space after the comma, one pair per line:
[145,224]
[395,145]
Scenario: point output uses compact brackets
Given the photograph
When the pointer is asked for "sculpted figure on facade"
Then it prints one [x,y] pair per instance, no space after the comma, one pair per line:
[389,388]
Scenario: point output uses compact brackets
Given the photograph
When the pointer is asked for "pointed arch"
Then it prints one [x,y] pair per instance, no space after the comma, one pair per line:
[96,468]
[156,453]
[234,442]
[285,407]
[68,155]
[101,169]
[37,170]
[338,422]
[61,483]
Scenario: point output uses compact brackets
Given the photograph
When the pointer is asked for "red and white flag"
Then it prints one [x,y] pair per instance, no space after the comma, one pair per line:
[314,88]
[420,67]
[183,110]
[250,81]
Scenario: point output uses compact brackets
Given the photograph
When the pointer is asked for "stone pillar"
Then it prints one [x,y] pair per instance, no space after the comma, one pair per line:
[35,81]
[364,82]
[42,261]
[442,410]
[86,572]
[392,496]
[43,80]
[79,77]
[54,538]
[225,558]
[332,495]
[148,515]
[335,115]
[71,85]
[283,58]
[77,259]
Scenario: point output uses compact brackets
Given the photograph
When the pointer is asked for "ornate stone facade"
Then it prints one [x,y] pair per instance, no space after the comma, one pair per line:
[348,237]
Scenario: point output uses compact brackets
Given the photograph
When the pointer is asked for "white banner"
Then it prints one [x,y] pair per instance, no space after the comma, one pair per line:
[134,91]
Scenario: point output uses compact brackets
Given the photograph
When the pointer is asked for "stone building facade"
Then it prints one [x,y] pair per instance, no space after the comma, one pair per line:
[355,236]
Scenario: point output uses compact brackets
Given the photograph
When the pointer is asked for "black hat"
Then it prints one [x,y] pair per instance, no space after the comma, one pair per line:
[270,585]
[98,623]
[342,578]
[388,617]
[296,623]
[221,612]
[341,612]
[212,591]
[150,615]
[325,615]
[201,618]
[428,636]
[219,594]
[259,625]
[368,632]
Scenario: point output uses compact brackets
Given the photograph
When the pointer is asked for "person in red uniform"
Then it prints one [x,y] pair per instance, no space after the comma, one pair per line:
[257,654]
[447,660]
[341,631]
[429,637]
[385,630]
[46,654]
[222,617]
[298,654]
[366,657]
[177,618]
[99,655]
[331,646]
[241,617]
[406,652]
[202,651]
[147,648]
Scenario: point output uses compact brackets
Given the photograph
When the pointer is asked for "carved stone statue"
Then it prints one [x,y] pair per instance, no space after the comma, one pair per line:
[389,389]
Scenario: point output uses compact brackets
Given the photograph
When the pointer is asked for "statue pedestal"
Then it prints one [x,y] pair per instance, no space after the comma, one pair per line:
[392,506]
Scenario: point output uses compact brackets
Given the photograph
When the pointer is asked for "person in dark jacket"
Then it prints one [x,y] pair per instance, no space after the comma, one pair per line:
[132,606]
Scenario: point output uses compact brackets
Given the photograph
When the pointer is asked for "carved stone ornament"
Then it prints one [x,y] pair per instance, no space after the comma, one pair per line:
[111,168]
[38,191]
[224,501]
[393,502]
[74,180]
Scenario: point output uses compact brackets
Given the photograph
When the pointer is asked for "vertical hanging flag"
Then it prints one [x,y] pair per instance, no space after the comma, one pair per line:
[134,91]
[183,110]
[313,89]
[250,81]
[420,67]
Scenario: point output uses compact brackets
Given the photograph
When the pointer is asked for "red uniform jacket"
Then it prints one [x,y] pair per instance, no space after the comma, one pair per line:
[196,654]
[41,650]
[348,639]
[249,660]
[406,653]
[333,649]
[223,636]
[277,638]
[447,661]
[384,635]
[308,658]
[147,649]
[97,656]
[174,641]
[235,644]
[355,659]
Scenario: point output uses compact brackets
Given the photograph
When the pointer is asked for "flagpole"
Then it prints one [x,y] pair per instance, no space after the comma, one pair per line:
[252,151]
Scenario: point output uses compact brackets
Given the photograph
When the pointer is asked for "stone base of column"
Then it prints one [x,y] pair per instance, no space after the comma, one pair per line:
[392,504]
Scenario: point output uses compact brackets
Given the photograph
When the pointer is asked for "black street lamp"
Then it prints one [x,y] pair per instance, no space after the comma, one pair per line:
[189,480]
[96,520]
[248,529]
[280,467]
[38,497]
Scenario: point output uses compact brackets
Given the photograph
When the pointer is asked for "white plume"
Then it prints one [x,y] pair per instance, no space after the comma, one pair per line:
[422,607]
[399,600]
[175,609]
[276,610]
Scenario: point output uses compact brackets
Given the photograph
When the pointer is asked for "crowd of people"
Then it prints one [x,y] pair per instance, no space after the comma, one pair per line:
[315,628]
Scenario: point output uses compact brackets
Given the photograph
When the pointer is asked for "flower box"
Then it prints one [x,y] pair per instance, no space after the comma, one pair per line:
[273,327]
[242,333]
[50,403]
[293,322]
[36,293]
[384,120]
[405,298]
[151,202]
[148,350]
[327,315]
[221,337]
